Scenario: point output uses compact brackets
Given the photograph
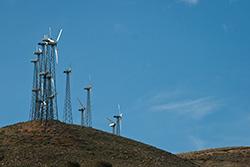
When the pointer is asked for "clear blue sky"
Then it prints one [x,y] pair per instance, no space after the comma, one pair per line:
[180,69]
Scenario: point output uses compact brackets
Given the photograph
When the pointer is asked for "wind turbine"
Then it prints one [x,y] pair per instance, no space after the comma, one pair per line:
[82,112]
[89,87]
[35,106]
[67,71]
[49,41]
[67,111]
[113,125]
[119,122]
[88,112]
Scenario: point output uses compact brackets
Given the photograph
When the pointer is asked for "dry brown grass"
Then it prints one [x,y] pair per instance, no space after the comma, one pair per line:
[26,144]
[220,157]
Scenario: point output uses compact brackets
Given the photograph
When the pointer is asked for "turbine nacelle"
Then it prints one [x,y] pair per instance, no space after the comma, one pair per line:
[81,109]
[87,88]
[37,52]
[67,71]
[49,41]
[46,39]
[44,73]
[34,61]
[52,96]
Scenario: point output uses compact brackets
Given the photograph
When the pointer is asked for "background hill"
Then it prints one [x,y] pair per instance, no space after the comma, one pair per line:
[220,157]
[25,144]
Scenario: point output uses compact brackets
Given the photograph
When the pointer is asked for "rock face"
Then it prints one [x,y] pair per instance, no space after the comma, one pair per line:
[220,157]
[26,144]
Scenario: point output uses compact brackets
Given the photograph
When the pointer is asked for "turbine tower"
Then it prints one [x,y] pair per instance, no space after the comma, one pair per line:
[35,105]
[67,112]
[34,91]
[88,118]
[82,113]
[46,108]
[119,121]
[114,125]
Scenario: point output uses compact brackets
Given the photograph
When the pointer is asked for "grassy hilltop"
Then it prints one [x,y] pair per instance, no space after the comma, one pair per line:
[25,144]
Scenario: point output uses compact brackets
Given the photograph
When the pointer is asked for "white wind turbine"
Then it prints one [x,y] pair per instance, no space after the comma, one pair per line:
[69,71]
[120,114]
[82,112]
[49,41]
[113,125]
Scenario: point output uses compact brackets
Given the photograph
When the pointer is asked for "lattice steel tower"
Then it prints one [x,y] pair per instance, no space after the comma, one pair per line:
[88,116]
[119,121]
[34,108]
[82,110]
[45,84]
[67,111]
[118,118]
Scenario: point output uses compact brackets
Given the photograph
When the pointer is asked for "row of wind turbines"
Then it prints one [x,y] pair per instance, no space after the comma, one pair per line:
[44,94]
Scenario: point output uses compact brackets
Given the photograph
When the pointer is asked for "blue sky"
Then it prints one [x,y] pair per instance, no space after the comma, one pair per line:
[180,69]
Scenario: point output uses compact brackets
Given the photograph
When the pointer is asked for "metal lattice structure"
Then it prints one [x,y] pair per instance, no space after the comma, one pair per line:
[67,112]
[118,118]
[88,116]
[83,113]
[112,125]
[44,86]
[116,126]
[35,89]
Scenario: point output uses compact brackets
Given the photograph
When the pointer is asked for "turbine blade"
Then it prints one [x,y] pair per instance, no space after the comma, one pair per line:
[70,65]
[91,91]
[51,40]
[72,78]
[89,80]
[80,102]
[109,120]
[121,124]
[88,107]
[118,120]
[42,88]
[116,129]
[59,36]
[90,85]
[41,107]
[119,108]
[52,80]
[56,55]
[50,32]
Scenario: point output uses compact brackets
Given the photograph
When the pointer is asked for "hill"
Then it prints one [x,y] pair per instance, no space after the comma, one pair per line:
[26,144]
[220,157]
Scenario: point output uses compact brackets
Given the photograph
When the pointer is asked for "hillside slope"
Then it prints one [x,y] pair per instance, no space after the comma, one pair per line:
[25,144]
[220,157]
